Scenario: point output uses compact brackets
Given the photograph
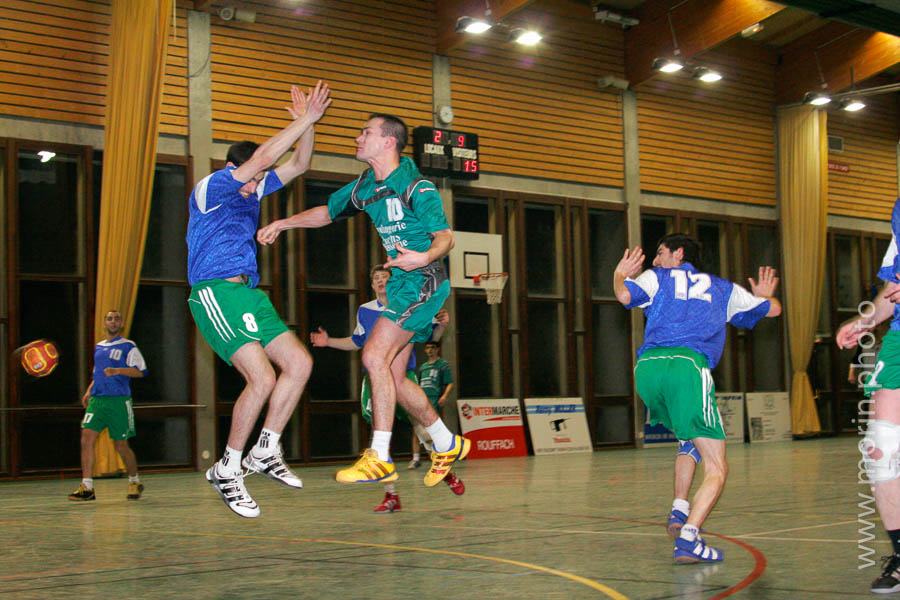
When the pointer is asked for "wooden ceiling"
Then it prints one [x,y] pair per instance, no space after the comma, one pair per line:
[816,39]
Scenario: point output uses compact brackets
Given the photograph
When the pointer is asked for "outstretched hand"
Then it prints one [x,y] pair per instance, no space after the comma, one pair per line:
[314,102]
[298,99]
[768,282]
[442,317]
[319,339]
[632,262]
[407,260]
[269,233]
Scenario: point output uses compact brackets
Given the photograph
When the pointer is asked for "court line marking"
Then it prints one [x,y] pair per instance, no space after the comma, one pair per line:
[576,578]
[747,535]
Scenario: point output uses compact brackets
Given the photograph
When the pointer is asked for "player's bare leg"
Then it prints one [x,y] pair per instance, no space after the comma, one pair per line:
[295,364]
[85,491]
[227,476]
[135,487]
[887,490]
[252,363]
[689,546]
[88,437]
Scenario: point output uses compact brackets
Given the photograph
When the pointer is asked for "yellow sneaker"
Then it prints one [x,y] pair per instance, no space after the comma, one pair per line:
[368,469]
[135,489]
[441,462]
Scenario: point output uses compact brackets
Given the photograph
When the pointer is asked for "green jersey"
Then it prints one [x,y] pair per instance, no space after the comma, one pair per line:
[405,208]
[434,377]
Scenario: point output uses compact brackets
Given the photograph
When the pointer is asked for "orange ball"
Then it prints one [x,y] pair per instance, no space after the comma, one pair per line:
[39,358]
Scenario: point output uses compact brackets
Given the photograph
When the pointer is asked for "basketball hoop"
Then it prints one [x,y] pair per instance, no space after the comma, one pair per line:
[492,283]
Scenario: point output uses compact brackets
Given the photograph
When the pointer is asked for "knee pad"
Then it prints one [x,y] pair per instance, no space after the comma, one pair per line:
[881,451]
[687,447]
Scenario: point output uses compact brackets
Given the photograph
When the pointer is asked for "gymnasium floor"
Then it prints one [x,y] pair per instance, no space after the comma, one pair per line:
[580,526]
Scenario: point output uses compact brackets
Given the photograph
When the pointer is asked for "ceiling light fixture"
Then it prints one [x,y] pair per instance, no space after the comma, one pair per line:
[667,65]
[752,30]
[816,98]
[472,25]
[706,74]
[852,104]
[526,37]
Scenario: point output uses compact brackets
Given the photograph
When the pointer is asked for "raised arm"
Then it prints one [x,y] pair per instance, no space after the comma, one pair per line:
[302,156]
[272,149]
[765,288]
[409,260]
[310,218]
[630,265]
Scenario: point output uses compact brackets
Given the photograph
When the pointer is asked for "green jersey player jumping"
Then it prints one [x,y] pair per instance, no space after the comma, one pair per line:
[408,214]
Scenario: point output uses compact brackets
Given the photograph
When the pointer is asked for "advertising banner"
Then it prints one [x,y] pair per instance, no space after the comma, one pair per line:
[494,426]
[657,434]
[769,417]
[731,407]
[558,425]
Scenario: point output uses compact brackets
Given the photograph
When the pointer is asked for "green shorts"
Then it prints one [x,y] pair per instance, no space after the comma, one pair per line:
[113,412]
[414,298]
[677,387]
[230,315]
[365,399]
[886,371]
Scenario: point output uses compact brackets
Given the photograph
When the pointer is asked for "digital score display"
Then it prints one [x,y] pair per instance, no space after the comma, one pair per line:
[446,153]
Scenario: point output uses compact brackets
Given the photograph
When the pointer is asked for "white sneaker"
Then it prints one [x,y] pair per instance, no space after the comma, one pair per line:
[234,493]
[273,467]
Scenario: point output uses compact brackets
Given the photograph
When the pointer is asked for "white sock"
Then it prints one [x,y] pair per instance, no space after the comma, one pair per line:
[389,488]
[230,461]
[381,443]
[267,443]
[134,479]
[682,505]
[416,457]
[88,482]
[441,437]
[689,533]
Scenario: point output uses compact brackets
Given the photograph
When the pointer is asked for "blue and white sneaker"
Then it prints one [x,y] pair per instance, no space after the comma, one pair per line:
[697,551]
[677,519]
[687,447]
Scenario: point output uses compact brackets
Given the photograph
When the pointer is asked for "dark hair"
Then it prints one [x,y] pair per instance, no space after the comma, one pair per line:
[394,127]
[241,152]
[433,343]
[378,268]
[690,245]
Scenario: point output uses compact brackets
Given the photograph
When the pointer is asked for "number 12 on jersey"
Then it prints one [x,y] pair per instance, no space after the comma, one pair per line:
[696,290]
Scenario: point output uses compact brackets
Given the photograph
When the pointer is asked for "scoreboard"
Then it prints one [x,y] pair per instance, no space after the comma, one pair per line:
[446,153]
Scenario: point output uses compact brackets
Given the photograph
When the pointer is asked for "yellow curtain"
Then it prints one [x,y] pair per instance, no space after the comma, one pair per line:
[137,50]
[803,190]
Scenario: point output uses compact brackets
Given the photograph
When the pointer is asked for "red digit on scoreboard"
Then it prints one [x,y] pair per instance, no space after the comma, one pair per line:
[470,166]
[438,134]
[461,140]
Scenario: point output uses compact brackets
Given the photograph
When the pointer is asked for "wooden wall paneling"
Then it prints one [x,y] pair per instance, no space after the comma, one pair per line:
[375,55]
[712,141]
[538,110]
[869,189]
[54,57]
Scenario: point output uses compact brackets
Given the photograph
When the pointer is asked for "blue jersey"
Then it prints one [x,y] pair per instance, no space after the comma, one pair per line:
[890,264]
[366,316]
[687,308]
[221,235]
[119,353]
